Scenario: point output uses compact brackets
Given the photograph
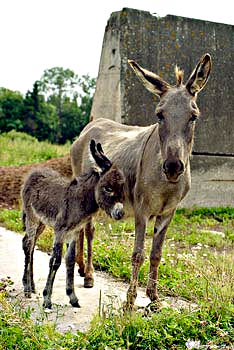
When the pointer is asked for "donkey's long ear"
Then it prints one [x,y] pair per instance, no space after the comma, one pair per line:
[151,81]
[200,75]
[100,158]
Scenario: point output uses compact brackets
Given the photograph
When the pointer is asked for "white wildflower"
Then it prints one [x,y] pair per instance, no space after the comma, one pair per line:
[192,344]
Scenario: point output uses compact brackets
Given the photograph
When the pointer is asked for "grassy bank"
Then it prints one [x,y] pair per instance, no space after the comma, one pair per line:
[197,266]
[18,148]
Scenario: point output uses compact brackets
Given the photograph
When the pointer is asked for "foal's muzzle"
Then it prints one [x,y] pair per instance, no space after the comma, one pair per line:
[173,168]
[117,211]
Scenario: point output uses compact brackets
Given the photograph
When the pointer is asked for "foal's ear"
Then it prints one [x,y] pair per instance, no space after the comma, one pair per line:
[150,80]
[200,75]
[100,158]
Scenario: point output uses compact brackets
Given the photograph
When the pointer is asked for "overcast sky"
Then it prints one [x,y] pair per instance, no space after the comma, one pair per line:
[41,34]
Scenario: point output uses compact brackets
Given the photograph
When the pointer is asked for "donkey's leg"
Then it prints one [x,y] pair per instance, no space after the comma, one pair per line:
[55,262]
[160,228]
[28,244]
[70,265]
[80,253]
[137,259]
[89,233]
[39,231]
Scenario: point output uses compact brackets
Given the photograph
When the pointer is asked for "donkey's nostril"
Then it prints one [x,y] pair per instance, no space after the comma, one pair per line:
[181,167]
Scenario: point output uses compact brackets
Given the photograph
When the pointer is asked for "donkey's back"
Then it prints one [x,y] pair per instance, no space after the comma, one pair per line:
[124,144]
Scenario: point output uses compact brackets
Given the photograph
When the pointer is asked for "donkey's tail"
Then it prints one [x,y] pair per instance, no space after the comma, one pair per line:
[24,220]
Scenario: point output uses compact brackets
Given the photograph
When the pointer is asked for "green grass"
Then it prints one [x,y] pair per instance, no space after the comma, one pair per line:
[18,148]
[197,266]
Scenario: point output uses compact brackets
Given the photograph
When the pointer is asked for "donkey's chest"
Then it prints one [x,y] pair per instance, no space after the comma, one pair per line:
[161,202]
[159,199]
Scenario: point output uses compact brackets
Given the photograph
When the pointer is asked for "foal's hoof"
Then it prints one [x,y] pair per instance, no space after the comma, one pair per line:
[47,305]
[75,304]
[27,294]
[88,282]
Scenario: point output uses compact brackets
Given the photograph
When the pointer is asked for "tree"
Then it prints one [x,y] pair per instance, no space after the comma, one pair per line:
[87,85]
[39,116]
[72,96]
[11,104]
[58,83]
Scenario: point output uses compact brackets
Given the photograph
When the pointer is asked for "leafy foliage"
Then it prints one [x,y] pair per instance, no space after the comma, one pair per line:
[57,108]
[11,106]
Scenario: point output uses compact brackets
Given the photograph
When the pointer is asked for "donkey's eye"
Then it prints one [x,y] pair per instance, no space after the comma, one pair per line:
[193,118]
[160,117]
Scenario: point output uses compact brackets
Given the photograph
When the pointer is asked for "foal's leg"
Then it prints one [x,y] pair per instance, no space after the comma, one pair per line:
[40,229]
[160,228]
[55,262]
[89,233]
[70,265]
[33,229]
[80,253]
[137,259]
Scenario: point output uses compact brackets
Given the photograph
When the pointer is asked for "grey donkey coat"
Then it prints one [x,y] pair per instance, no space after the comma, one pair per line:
[154,159]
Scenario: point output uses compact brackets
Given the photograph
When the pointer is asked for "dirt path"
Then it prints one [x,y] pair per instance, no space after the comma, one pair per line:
[66,317]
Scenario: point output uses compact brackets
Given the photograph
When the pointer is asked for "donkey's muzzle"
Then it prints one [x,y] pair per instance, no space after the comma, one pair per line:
[173,168]
[117,211]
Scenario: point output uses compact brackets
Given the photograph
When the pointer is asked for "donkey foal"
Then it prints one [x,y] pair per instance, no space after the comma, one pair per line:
[67,205]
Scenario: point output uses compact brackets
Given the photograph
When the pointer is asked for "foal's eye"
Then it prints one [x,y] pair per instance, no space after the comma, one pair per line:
[193,118]
[108,189]
[160,117]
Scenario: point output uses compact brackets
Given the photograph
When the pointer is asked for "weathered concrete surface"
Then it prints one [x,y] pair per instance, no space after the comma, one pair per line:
[158,44]
[212,182]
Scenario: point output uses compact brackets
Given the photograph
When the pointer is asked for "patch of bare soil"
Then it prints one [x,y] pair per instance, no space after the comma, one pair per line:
[11,178]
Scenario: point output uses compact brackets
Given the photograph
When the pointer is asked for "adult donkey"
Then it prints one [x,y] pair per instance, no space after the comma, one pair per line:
[155,161]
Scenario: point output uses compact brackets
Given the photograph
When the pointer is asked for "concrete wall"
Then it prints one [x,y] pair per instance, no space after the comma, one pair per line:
[158,44]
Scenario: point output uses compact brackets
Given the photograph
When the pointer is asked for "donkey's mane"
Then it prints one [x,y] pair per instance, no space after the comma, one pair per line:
[179,73]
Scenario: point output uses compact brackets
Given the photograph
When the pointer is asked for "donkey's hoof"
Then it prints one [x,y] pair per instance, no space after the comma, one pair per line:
[127,307]
[81,272]
[154,306]
[88,282]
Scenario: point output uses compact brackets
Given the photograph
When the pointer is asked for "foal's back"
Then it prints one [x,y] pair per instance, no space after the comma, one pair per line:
[43,191]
